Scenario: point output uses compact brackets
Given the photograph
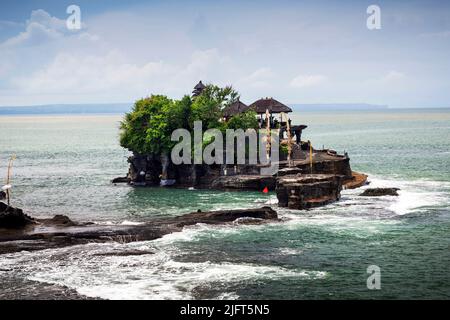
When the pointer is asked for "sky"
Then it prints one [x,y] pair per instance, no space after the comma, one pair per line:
[295,51]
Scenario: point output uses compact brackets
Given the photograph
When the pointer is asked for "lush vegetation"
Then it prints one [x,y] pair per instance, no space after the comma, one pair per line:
[148,127]
[245,120]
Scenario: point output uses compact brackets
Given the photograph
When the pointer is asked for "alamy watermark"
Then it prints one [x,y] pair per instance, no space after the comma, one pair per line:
[241,147]
[73,22]
[374,20]
[374,280]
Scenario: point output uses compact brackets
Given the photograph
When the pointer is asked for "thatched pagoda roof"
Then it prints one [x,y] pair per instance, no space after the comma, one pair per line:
[235,108]
[271,104]
[199,87]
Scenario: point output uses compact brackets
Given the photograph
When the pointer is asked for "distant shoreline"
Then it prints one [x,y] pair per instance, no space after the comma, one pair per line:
[120,109]
[5,115]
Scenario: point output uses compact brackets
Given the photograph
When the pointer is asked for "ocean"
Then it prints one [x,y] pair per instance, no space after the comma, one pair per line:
[65,163]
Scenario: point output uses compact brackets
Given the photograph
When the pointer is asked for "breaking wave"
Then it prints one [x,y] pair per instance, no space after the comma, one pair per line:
[93,273]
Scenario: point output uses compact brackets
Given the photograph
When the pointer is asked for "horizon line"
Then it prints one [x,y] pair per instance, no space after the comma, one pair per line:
[295,104]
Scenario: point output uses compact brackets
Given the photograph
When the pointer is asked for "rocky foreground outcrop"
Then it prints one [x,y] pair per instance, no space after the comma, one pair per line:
[303,191]
[12,218]
[61,231]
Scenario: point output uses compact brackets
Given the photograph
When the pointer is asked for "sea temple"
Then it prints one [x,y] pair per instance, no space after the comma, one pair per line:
[307,177]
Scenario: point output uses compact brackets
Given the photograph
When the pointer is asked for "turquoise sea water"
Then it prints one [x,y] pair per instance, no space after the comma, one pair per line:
[64,165]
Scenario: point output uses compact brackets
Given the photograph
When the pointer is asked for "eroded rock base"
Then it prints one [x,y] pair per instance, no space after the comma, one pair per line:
[303,191]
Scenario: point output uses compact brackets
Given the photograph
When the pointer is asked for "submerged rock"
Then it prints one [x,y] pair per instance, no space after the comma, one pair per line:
[378,192]
[120,180]
[13,218]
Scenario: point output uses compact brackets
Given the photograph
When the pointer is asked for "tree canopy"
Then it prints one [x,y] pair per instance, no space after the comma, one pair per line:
[245,120]
[148,127]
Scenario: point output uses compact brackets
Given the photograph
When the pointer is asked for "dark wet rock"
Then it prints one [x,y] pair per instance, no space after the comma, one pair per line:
[378,192]
[124,253]
[2,195]
[61,232]
[244,182]
[13,218]
[223,216]
[59,220]
[308,191]
[20,288]
[120,180]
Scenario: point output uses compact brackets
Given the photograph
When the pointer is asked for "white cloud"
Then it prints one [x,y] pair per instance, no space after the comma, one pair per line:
[260,78]
[393,76]
[302,81]
[94,75]
[136,50]
[35,34]
[40,28]
[43,18]
[113,77]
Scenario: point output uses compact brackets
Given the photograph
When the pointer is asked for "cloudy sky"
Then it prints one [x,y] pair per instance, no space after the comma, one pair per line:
[296,51]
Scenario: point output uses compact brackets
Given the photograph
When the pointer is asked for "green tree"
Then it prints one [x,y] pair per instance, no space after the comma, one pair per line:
[245,120]
[145,129]
[209,105]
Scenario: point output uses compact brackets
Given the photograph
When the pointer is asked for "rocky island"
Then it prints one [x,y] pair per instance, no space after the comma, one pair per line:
[305,177]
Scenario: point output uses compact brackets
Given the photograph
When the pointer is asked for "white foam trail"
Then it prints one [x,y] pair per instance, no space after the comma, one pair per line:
[290,251]
[115,223]
[152,276]
[131,223]
[272,200]
[413,195]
